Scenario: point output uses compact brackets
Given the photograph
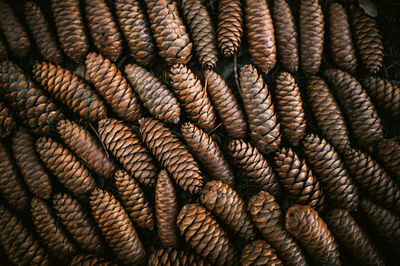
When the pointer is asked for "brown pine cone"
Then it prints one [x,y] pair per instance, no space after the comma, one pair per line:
[230,26]
[226,105]
[89,260]
[368,40]
[170,256]
[286,35]
[154,94]
[311,231]
[326,164]
[41,33]
[260,34]
[125,145]
[311,20]
[7,123]
[388,151]
[70,28]
[202,232]
[252,165]
[3,50]
[327,114]
[113,87]
[134,26]
[70,90]
[116,227]
[259,252]
[353,238]
[193,97]
[65,166]
[172,154]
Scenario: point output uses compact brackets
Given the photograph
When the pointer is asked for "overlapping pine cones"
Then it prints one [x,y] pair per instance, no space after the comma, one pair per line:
[193,132]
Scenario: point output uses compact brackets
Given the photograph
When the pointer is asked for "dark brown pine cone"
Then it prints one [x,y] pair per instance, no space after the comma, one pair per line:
[76,220]
[70,28]
[70,90]
[65,166]
[193,97]
[230,26]
[170,256]
[260,34]
[133,23]
[353,238]
[89,260]
[388,151]
[169,32]
[113,87]
[154,94]
[327,114]
[3,50]
[263,124]
[286,35]
[116,227]
[125,145]
[202,31]
[252,165]
[172,154]
[7,123]
[202,232]
[259,252]
[41,33]
[311,231]
[298,180]
[311,20]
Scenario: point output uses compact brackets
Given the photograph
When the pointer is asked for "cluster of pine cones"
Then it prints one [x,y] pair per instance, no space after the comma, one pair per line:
[123,142]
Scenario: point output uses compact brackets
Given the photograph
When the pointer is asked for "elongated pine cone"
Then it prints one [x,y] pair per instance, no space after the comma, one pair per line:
[169,32]
[263,124]
[311,231]
[113,87]
[70,90]
[388,151]
[7,123]
[193,97]
[154,94]
[170,256]
[125,145]
[70,28]
[89,260]
[202,232]
[352,237]
[136,30]
[311,20]
[116,227]
[259,252]
[3,50]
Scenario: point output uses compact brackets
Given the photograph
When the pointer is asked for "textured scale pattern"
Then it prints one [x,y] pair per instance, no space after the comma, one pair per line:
[170,256]
[89,260]
[388,151]
[259,252]
[7,123]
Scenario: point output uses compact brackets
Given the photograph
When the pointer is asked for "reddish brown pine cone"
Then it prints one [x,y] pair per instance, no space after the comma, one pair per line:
[263,123]
[116,227]
[71,90]
[170,256]
[353,238]
[113,87]
[172,154]
[193,97]
[125,145]
[202,232]
[326,164]
[154,94]
[3,51]
[311,20]
[89,260]
[267,216]
[311,231]
[136,30]
[7,123]
[259,252]
[388,151]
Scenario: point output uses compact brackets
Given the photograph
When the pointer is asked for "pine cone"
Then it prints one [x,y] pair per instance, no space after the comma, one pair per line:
[7,123]
[286,35]
[311,20]
[263,124]
[70,90]
[327,114]
[326,165]
[113,87]
[259,252]
[70,28]
[134,26]
[154,94]
[193,97]
[116,227]
[230,26]
[260,34]
[252,165]
[89,260]
[312,232]
[388,151]
[3,50]
[353,238]
[125,145]
[65,166]
[170,256]
[195,223]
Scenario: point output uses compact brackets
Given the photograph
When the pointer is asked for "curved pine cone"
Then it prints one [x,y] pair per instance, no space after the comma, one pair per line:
[89,260]
[259,252]
[388,151]
[154,94]
[170,256]
[3,50]
[7,123]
